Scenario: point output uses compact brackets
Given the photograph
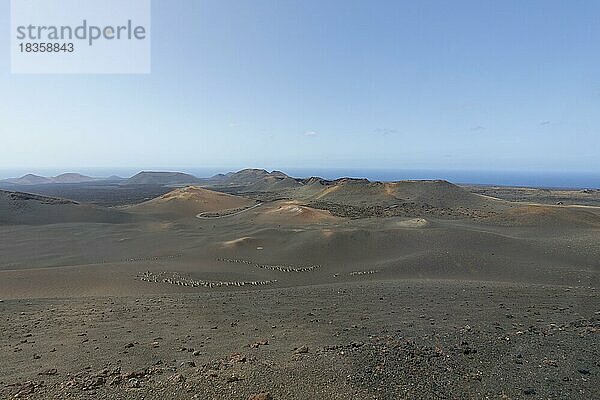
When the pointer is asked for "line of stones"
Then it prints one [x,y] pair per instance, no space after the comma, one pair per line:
[281,268]
[155,258]
[176,279]
[372,271]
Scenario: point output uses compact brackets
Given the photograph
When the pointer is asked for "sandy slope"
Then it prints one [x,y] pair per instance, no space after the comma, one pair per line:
[189,201]
[293,213]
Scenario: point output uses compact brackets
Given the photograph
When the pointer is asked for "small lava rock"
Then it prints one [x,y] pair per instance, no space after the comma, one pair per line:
[529,391]
[301,350]
[259,343]
[583,371]
[187,364]
[177,378]
[49,372]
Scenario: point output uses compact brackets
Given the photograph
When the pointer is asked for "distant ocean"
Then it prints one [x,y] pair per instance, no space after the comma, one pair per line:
[574,180]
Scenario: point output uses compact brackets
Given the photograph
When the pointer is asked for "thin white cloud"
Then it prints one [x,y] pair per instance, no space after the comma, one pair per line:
[311,133]
[385,131]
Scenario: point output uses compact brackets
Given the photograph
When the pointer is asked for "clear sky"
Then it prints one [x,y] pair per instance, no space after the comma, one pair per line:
[480,85]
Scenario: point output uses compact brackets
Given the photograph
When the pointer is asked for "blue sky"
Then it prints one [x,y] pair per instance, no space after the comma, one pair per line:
[470,85]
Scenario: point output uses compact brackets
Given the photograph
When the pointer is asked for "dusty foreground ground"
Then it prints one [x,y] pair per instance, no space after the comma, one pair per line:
[399,339]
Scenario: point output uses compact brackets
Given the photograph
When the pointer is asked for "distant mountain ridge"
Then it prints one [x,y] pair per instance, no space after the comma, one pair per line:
[343,197]
[257,180]
[161,178]
[348,191]
[32,179]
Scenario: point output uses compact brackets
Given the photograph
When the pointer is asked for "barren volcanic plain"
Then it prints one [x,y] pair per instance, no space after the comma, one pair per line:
[257,285]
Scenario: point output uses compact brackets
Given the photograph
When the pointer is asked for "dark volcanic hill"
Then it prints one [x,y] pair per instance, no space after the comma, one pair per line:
[161,178]
[247,176]
[71,177]
[256,180]
[114,178]
[352,191]
[362,192]
[18,208]
[358,198]
[29,179]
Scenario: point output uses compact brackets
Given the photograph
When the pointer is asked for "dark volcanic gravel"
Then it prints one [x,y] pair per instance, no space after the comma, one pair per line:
[379,340]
